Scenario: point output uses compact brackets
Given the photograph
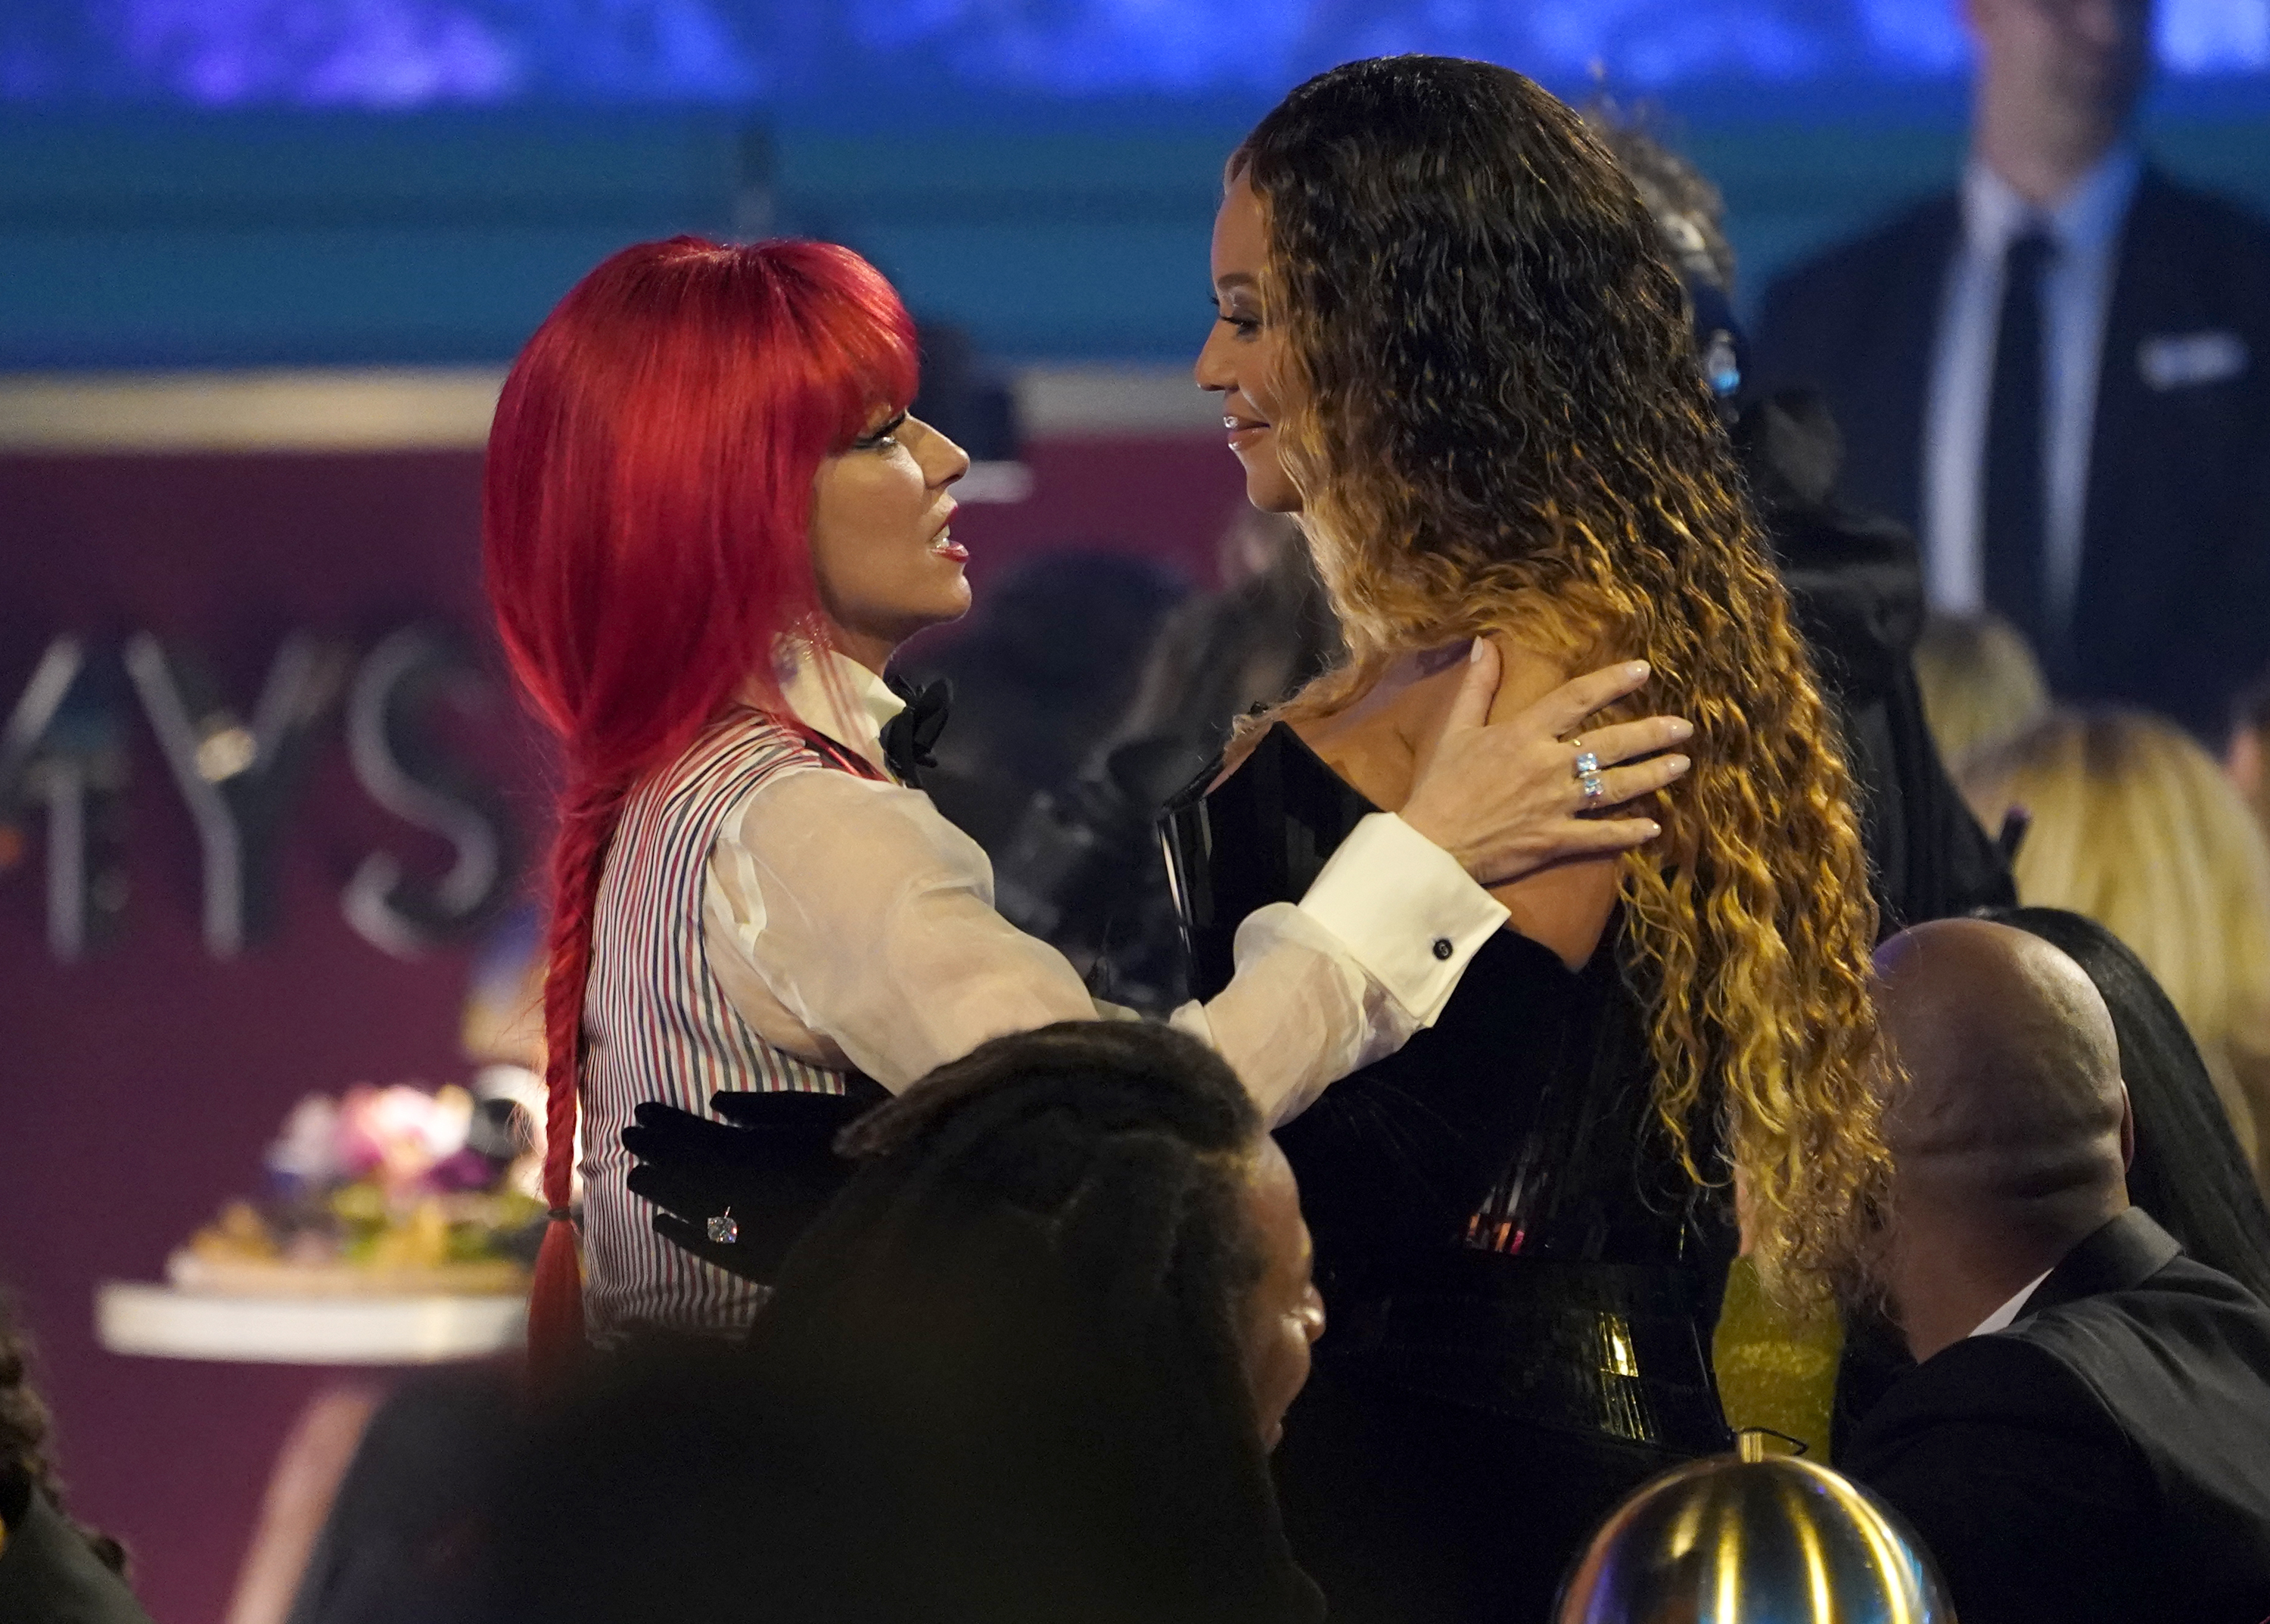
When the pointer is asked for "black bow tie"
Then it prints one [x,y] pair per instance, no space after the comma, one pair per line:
[909,736]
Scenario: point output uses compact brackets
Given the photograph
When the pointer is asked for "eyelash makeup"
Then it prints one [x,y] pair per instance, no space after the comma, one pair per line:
[1246,326]
[886,435]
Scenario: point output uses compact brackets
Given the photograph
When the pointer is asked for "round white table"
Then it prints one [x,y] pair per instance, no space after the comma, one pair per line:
[160,1322]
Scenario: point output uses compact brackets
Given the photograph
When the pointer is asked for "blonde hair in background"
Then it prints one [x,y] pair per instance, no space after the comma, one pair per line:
[2134,825]
[1497,424]
[2246,757]
[1981,684]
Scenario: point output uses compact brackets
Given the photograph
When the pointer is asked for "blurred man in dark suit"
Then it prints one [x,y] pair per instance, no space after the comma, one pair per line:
[2086,1436]
[2060,375]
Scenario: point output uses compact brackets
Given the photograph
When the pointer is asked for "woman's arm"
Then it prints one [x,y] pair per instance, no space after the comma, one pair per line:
[1565,905]
[1382,746]
[847,917]
[1367,958]
[849,921]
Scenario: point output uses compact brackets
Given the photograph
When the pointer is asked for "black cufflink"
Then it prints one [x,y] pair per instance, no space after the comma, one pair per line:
[1442,948]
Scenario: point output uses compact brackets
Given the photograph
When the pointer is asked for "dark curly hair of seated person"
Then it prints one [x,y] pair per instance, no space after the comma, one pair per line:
[1019,1321]
[999,1381]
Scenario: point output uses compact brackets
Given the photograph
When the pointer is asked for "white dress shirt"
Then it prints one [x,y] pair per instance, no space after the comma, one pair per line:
[2006,1316]
[850,923]
[2076,295]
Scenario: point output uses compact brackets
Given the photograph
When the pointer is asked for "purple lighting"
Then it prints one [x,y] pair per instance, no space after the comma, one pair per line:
[369,53]
[419,53]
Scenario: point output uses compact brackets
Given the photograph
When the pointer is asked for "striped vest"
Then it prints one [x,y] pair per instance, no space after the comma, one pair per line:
[657,1025]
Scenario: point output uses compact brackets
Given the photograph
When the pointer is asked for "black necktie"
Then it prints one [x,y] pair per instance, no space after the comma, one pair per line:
[2016,536]
[909,736]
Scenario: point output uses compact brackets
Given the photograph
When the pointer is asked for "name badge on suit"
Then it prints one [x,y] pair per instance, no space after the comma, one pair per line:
[2186,361]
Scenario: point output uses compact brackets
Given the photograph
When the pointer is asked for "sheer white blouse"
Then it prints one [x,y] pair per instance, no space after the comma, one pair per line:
[850,923]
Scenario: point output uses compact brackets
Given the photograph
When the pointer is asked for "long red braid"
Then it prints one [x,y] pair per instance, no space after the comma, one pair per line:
[645,509]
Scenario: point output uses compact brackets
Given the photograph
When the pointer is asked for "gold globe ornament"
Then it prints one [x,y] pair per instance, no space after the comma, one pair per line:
[1750,1538]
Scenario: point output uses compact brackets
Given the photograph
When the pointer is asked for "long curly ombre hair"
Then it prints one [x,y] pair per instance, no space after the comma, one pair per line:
[1491,406]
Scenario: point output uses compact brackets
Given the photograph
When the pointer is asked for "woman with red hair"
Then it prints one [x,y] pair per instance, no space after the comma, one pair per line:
[709,521]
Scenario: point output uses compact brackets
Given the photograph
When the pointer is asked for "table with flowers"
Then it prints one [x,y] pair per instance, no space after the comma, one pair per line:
[396,1228]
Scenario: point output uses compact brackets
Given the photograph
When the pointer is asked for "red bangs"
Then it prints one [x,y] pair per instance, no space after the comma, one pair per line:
[859,337]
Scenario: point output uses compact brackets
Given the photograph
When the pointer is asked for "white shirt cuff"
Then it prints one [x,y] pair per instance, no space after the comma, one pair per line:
[1405,910]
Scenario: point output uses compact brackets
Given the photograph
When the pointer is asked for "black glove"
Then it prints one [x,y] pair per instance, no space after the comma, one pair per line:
[767,1174]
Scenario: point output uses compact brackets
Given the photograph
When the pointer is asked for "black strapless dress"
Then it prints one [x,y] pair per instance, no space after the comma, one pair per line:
[1521,1281]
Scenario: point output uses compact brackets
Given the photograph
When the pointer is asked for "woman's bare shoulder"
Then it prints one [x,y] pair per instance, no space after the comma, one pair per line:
[1371,740]
[1525,675]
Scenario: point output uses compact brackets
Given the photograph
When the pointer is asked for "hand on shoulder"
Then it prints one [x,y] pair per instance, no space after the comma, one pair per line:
[1509,797]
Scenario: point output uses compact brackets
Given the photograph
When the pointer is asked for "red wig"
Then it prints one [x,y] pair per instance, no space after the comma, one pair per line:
[645,512]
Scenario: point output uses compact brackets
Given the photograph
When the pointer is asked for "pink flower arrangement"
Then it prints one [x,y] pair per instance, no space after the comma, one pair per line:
[402,1138]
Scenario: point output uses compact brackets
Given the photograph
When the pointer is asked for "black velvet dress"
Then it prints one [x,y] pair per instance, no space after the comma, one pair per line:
[1520,1280]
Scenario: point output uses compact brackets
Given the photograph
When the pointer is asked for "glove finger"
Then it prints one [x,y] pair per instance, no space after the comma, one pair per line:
[671,1189]
[788,1111]
[748,1263]
[787,1191]
[666,1134]
[662,1134]
[756,1252]
[667,1120]
[743,1162]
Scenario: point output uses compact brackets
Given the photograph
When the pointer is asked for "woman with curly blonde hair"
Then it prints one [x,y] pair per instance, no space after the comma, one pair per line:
[1448,340]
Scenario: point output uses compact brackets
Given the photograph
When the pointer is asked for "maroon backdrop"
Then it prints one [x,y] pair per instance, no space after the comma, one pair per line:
[137,1088]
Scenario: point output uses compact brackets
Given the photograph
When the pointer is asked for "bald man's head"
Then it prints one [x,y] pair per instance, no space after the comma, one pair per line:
[2007,1111]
